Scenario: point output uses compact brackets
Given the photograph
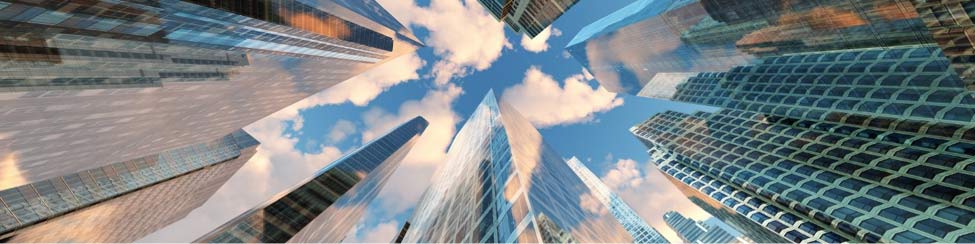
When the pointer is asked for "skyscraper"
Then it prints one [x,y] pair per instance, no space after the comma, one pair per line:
[639,229]
[502,183]
[88,83]
[855,144]
[527,16]
[693,231]
[628,49]
[325,207]
[125,201]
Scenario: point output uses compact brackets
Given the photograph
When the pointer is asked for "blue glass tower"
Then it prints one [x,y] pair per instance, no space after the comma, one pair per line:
[502,183]
[633,223]
[328,205]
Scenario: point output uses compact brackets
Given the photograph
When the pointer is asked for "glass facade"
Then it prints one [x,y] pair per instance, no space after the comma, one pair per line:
[631,221]
[527,16]
[846,121]
[869,144]
[84,84]
[327,206]
[693,231]
[124,201]
[631,47]
[502,183]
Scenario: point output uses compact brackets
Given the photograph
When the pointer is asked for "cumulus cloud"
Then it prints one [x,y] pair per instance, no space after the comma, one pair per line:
[341,130]
[642,183]
[545,103]
[465,36]
[540,42]
[362,89]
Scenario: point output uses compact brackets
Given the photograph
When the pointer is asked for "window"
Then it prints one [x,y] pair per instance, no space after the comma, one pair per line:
[864,203]
[911,237]
[876,225]
[917,203]
[896,214]
[956,215]
[934,227]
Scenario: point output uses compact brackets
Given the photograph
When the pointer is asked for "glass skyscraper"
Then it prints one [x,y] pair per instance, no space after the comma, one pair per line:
[693,231]
[324,208]
[125,201]
[502,183]
[527,16]
[654,42]
[631,221]
[88,83]
[856,138]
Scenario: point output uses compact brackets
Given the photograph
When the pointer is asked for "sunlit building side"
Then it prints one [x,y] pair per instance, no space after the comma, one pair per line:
[88,83]
[125,201]
[325,207]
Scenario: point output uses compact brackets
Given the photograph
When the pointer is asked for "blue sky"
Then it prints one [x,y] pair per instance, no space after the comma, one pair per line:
[467,53]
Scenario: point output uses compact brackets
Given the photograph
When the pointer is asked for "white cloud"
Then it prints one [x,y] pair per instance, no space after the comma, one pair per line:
[540,42]
[341,130]
[464,35]
[624,175]
[362,89]
[542,101]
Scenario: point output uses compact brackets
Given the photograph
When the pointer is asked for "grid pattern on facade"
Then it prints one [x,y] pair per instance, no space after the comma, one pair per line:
[282,218]
[873,197]
[528,16]
[36,202]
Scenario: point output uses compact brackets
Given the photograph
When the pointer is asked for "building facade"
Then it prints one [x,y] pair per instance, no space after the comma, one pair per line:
[631,221]
[527,16]
[502,183]
[125,201]
[88,83]
[631,47]
[693,231]
[866,144]
[324,208]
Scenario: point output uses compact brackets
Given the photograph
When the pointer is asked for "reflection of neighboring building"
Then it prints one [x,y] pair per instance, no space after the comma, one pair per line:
[88,83]
[324,208]
[631,221]
[527,16]
[870,144]
[693,231]
[502,183]
[627,48]
[125,201]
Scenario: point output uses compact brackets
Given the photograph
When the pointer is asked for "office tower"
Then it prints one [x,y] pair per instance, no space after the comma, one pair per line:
[125,201]
[631,47]
[693,231]
[501,183]
[640,230]
[325,207]
[402,233]
[88,83]
[866,144]
[527,16]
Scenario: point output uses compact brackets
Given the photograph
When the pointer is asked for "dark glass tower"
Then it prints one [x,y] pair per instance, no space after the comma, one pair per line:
[627,50]
[327,206]
[502,183]
[125,201]
[527,16]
